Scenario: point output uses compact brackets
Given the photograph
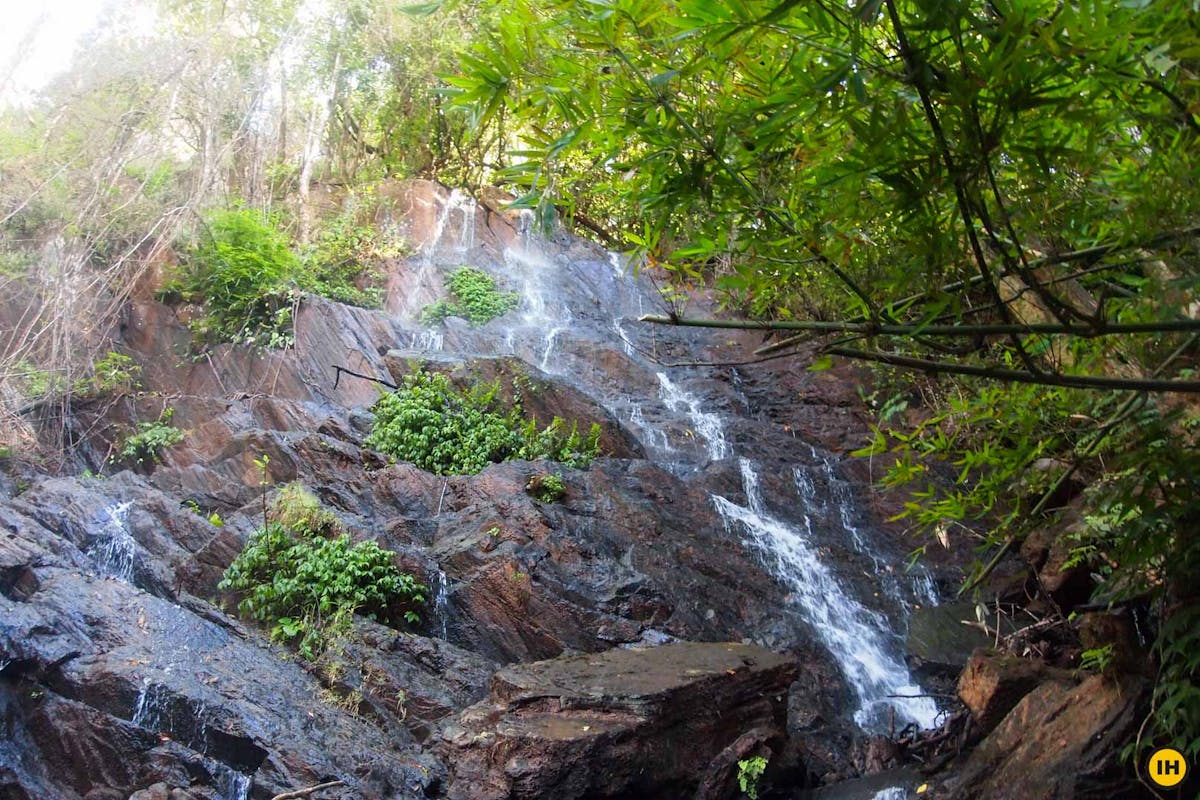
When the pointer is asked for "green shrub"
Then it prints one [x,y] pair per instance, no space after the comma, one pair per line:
[474,297]
[300,574]
[32,381]
[149,439]
[557,444]
[547,487]
[245,274]
[427,422]
[341,258]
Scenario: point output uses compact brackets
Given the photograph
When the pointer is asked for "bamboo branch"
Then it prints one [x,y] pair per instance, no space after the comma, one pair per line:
[1097,328]
[1019,376]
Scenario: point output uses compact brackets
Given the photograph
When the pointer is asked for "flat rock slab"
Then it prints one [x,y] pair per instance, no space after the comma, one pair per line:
[663,722]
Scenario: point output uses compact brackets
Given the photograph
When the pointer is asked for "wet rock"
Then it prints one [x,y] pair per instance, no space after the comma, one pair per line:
[1117,630]
[991,684]
[103,611]
[938,642]
[626,723]
[1061,741]
[631,548]
[106,675]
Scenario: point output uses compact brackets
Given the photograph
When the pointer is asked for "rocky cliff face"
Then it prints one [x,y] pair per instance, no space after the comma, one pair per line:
[725,513]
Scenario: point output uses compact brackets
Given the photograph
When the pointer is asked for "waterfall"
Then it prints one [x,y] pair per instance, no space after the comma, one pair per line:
[837,505]
[231,784]
[465,205]
[706,424]
[441,603]
[426,340]
[149,711]
[552,329]
[154,713]
[855,636]
[115,551]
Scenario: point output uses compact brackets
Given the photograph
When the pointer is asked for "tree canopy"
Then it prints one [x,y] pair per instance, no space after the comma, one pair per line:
[909,167]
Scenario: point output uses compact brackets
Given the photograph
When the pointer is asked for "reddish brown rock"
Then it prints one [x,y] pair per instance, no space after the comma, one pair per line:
[665,722]
[991,684]
[1049,550]
[1061,741]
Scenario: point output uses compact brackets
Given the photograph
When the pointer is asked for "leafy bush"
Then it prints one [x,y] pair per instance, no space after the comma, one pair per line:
[32,381]
[427,422]
[245,274]
[547,487]
[300,574]
[749,772]
[555,443]
[148,441]
[1139,458]
[249,278]
[475,297]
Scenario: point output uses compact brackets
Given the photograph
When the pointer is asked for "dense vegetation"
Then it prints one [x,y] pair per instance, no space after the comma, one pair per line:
[247,275]
[473,296]
[430,423]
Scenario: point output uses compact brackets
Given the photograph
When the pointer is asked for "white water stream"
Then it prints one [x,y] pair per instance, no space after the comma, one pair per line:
[153,713]
[857,637]
[114,550]
[706,424]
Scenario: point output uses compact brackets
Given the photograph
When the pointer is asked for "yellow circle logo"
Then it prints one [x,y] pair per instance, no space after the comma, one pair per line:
[1167,767]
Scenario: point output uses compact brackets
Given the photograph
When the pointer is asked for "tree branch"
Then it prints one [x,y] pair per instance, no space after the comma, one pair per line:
[1019,376]
[1098,328]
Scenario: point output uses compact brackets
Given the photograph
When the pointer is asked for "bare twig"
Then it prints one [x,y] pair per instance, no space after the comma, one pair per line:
[306,792]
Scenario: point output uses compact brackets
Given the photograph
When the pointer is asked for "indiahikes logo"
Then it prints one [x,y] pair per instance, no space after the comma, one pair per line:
[1167,767]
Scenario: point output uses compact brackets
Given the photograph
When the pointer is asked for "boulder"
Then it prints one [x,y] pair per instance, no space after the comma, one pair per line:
[1049,550]
[1061,741]
[664,722]
[938,643]
[992,683]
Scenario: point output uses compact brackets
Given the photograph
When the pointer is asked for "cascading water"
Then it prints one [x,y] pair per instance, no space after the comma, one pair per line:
[575,310]
[115,551]
[856,637]
[827,494]
[231,784]
[154,712]
[706,424]
[441,603]
[457,203]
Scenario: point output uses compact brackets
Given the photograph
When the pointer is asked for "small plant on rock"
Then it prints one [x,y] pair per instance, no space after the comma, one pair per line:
[750,770]
[300,574]
[474,297]
[146,444]
[546,487]
[115,373]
